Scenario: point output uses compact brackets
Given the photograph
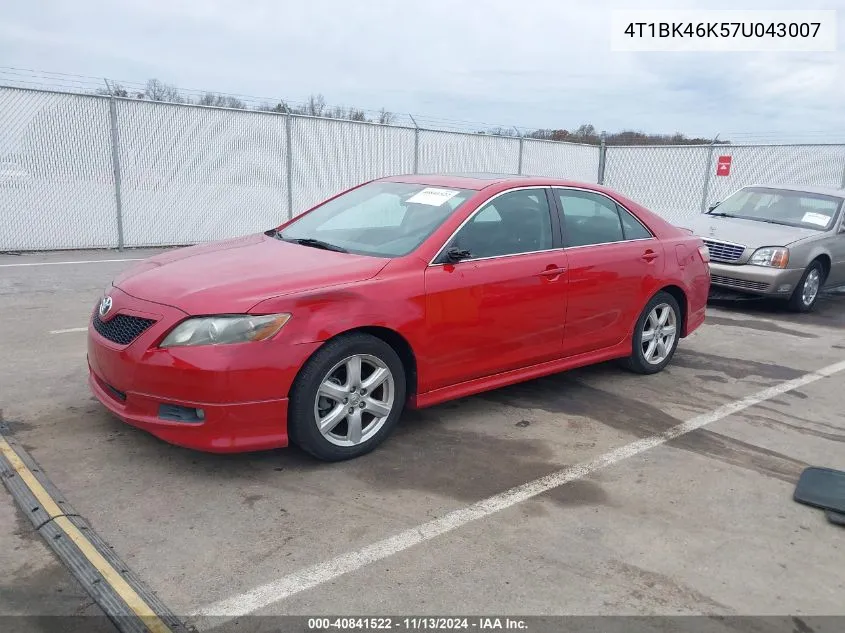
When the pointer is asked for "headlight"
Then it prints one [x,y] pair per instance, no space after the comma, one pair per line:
[220,330]
[774,256]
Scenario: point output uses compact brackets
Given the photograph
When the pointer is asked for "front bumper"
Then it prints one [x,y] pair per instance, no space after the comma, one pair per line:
[755,280]
[241,389]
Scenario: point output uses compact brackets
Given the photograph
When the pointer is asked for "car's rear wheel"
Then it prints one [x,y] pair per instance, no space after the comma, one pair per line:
[806,293]
[656,335]
[348,398]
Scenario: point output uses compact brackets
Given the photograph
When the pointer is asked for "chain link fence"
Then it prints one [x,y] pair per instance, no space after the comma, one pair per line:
[57,186]
[820,165]
[560,160]
[669,180]
[88,171]
[328,156]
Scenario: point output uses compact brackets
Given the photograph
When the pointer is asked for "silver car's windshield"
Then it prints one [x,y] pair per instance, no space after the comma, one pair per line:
[782,206]
[384,219]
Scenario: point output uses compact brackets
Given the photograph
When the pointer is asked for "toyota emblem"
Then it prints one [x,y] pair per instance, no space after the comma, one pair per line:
[105,306]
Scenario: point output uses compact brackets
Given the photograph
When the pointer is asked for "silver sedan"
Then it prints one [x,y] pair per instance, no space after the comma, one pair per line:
[786,242]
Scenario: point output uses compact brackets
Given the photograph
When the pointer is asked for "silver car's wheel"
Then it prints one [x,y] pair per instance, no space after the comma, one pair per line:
[807,290]
[354,400]
[810,289]
[659,332]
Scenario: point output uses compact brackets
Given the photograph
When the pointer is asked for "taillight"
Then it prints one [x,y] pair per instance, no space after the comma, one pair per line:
[704,252]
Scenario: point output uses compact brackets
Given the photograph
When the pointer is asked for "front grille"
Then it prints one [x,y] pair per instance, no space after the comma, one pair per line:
[738,283]
[724,251]
[122,328]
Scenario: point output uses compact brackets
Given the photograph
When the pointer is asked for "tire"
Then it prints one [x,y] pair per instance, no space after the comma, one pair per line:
[651,360]
[377,408]
[802,301]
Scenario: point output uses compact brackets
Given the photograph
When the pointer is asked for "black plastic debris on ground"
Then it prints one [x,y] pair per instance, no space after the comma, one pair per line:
[823,488]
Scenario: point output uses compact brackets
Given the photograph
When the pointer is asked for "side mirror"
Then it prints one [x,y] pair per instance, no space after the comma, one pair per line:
[455,254]
[713,206]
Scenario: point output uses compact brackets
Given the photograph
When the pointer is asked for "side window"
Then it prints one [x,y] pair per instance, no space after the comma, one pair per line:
[588,218]
[515,222]
[632,227]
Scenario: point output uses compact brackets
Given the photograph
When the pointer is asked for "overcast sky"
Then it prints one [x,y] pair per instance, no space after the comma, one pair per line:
[528,62]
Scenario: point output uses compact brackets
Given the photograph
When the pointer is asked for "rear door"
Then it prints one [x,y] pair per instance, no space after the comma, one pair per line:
[503,306]
[613,261]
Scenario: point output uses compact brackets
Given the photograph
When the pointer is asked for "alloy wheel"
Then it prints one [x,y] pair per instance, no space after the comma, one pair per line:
[354,400]
[811,287]
[659,332]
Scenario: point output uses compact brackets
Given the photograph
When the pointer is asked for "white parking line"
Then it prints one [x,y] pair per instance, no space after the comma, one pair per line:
[315,575]
[81,261]
[69,330]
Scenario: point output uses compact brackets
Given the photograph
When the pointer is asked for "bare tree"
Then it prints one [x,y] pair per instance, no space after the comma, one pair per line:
[585,131]
[233,102]
[385,117]
[283,107]
[209,99]
[114,90]
[156,90]
[315,106]
[500,131]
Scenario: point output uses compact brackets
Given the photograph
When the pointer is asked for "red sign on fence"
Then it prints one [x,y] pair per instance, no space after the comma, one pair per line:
[723,167]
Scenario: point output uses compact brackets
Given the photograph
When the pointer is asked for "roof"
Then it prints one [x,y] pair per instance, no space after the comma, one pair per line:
[825,191]
[477,181]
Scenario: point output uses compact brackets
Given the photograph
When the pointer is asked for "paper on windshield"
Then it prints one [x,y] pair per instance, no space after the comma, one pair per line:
[819,219]
[435,197]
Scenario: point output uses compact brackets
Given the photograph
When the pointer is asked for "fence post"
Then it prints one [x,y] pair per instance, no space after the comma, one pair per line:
[519,164]
[602,157]
[289,165]
[416,144]
[843,177]
[706,189]
[115,161]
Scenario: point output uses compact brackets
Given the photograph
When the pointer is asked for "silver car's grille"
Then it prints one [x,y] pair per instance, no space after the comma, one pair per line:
[720,280]
[724,251]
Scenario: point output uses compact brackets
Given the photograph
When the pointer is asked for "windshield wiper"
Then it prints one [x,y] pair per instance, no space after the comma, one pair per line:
[315,243]
[720,214]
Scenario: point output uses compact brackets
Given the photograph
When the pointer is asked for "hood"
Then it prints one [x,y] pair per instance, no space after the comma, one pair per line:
[750,233]
[233,275]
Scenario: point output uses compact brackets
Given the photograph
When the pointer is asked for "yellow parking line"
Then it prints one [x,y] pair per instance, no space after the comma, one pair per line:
[122,588]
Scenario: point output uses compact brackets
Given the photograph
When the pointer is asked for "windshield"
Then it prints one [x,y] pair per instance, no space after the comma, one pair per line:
[384,219]
[780,206]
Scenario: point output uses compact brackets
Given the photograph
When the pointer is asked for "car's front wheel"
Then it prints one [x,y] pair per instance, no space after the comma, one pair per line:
[806,293]
[656,335]
[348,398]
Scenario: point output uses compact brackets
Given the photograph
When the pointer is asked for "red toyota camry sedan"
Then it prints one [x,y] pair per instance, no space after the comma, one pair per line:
[403,291]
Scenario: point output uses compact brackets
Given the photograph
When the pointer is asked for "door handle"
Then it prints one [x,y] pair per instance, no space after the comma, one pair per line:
[649,256]
[553,271]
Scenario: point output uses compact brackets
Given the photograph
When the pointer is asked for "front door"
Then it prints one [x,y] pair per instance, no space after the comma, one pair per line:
[836,246]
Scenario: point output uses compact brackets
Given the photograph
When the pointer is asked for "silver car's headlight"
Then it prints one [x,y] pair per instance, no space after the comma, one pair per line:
[773,256]
[221,330]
